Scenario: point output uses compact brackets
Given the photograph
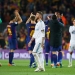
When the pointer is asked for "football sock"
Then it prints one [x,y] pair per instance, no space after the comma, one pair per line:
[55,59]
[60,57]
[70,59]
[46,58]
[52,58]
[10,60]
[12,56]
[31,59]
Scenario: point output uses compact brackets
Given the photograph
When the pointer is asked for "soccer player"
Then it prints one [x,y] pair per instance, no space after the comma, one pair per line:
[72,42]
[55,38]
[11,31]
[47,46]
[39,36]
[30,24]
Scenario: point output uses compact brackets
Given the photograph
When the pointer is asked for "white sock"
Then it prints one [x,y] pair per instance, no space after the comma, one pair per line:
[37,59]
[42,60]
[70,59]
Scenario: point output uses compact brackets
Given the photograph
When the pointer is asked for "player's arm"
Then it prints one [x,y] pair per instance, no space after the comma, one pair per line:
[43,34]
[17,18]
[43,40]
[70,29]
[33,37]
[29,44]
[29,18]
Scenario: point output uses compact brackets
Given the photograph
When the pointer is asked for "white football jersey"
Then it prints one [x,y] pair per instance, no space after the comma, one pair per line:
[72,33]
[38,33]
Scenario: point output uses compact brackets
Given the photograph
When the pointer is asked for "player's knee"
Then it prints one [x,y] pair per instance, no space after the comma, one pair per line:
[11,50]
[34,54]
[30,52]
[54,52]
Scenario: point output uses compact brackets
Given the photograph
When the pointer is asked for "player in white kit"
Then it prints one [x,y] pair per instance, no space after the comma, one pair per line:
[39,36]
[72,42]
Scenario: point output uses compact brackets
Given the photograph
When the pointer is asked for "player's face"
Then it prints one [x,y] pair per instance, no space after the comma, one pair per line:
[37,15]
[73,22]
[16,12]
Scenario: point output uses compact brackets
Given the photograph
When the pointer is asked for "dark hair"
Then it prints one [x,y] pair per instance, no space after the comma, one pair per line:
[40,13]
[12,17]
[54,17]
[12,11]
[32,17]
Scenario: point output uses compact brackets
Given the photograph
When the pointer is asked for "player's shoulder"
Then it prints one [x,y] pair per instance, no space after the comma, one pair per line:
[28,23]
[71,27]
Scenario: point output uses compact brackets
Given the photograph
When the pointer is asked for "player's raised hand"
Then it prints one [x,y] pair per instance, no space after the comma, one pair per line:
[31,14]
[48,17]
[16,12]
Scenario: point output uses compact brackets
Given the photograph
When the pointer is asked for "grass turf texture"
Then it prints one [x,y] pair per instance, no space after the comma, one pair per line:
[22,68]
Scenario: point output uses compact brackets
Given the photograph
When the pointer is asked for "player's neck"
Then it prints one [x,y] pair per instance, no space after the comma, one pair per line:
[39,19]
[74,25]
[33,22]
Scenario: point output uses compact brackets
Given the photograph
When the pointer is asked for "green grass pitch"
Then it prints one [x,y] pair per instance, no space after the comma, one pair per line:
[22,68]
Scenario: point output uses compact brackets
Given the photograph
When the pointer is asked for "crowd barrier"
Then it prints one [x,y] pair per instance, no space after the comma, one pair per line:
[23,54]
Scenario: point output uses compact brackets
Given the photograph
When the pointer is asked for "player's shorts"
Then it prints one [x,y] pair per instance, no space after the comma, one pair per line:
[47,46]
[59,48]
[38,48]
[32,46]
[71,48]
[12,43]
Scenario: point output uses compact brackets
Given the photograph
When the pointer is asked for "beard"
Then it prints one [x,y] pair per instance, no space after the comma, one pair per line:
[37,18]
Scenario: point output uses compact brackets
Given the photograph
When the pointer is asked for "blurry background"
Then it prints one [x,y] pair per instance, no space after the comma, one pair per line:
[64,8]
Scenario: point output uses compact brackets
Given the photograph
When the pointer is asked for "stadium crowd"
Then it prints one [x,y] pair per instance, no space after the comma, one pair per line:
[64,8]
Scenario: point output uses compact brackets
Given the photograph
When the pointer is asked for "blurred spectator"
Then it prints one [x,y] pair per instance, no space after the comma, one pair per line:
[27,6]
[2,41]
[64,20]
[22,40]
[23,16]
[6,43]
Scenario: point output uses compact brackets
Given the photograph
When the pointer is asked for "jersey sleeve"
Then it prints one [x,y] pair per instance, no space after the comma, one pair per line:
[42,27]
[70,29]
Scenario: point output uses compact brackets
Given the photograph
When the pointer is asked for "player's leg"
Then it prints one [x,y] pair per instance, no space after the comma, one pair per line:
[47,49]
[32,60]
[41,58]
[71,48]
[31,55]
[11,55]
[10,52]
[36,56]
[59,62]
[52,63]
[42,61]
[54,55]
[13,46]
